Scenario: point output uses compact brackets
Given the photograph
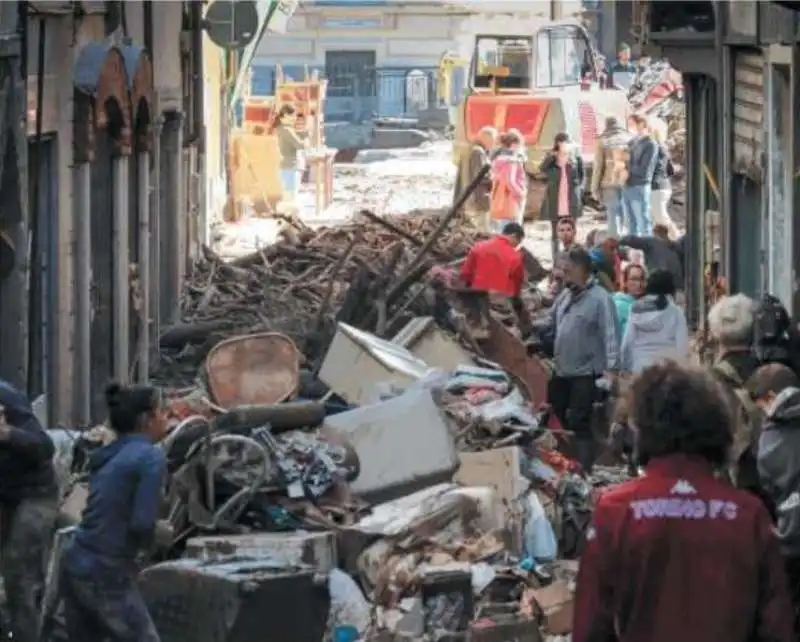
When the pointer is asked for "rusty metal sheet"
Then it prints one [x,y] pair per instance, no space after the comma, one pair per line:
[261,368]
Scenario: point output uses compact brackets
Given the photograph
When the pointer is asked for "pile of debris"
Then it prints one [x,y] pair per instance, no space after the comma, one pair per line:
[417,481]
[371,273]
[417,477]
[658,91]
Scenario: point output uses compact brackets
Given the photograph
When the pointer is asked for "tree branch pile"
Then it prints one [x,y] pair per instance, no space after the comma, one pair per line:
[369,273]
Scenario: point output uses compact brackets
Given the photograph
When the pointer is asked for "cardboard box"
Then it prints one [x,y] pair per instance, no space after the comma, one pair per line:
[500,470]
[556,606]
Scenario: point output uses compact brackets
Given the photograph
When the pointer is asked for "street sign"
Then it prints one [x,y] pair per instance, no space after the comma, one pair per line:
[231,25]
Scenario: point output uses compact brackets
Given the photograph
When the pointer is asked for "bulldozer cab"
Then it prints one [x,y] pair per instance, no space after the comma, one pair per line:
[558,55]
[504,60]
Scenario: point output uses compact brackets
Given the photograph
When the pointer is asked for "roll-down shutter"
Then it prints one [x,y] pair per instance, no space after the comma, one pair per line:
[748,113]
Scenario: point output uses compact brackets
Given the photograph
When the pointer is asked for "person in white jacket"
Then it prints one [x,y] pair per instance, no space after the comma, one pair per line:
[657,326]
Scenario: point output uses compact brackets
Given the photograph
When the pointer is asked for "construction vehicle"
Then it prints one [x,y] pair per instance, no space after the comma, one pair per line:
[542,83]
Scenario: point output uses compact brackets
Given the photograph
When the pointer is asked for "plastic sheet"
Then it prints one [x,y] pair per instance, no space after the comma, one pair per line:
[539,538]
[349,607]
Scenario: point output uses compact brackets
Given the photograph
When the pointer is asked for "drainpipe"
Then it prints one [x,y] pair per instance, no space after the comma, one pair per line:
[695,188]
[143,198]
[172,233]
[198,126]
[148,28]
[121,268]
[82,175]
[727,212]
[35,165]
[154,326]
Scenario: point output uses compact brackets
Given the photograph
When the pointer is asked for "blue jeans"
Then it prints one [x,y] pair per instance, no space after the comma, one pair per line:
[291,181]
[615,209]
[637,206]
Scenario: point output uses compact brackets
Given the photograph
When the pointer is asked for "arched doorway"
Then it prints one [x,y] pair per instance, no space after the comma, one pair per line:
[103,144]
[140,85]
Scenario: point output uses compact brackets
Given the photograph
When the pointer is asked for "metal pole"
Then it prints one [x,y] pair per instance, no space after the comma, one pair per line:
[121,267]
[82,175]
[694,169]
[143,188]
[727,211]
[179,215]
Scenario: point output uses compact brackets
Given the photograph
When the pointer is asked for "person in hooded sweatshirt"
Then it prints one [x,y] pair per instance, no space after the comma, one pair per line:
[776,390]
[656,327]
[99,568]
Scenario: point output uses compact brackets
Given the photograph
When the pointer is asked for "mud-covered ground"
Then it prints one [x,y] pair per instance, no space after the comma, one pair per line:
[386,182]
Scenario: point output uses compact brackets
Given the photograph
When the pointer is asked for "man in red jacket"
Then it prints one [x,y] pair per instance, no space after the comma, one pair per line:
[496,265]
[496,269]
[678,555]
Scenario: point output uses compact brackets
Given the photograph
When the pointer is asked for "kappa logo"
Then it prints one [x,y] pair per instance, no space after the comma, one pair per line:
[790,503]
[683,487]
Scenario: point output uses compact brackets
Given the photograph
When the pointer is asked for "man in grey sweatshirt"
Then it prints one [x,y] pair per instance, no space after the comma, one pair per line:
[584,332]
[641,166]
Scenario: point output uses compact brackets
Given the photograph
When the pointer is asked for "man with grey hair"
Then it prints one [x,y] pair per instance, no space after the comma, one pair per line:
[477,206]
[730,323]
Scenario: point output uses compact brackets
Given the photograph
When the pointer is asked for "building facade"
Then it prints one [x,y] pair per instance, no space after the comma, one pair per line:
[379,58]
[739,61]
[111,189]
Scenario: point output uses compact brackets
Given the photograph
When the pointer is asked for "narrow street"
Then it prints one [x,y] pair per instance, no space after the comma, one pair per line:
[387,182]
[249,392]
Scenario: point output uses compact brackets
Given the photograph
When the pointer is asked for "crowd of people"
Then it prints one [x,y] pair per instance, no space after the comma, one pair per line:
[705,543]
[630,180]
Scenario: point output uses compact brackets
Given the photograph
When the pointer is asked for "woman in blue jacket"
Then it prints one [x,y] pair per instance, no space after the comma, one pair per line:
[98,580]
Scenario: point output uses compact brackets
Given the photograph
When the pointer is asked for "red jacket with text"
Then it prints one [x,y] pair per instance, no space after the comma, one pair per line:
[679,556]
[494,266]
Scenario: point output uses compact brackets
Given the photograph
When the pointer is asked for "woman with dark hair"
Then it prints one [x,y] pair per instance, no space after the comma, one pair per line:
[634,278]
[291,145]
[564,175]
[657,326]
[680,554]
[98,580]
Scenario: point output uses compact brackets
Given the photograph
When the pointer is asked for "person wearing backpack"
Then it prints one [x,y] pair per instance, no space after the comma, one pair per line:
[775,338]
[611,171]
[731,322]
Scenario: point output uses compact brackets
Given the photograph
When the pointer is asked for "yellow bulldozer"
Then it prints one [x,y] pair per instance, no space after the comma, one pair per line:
[540,84]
